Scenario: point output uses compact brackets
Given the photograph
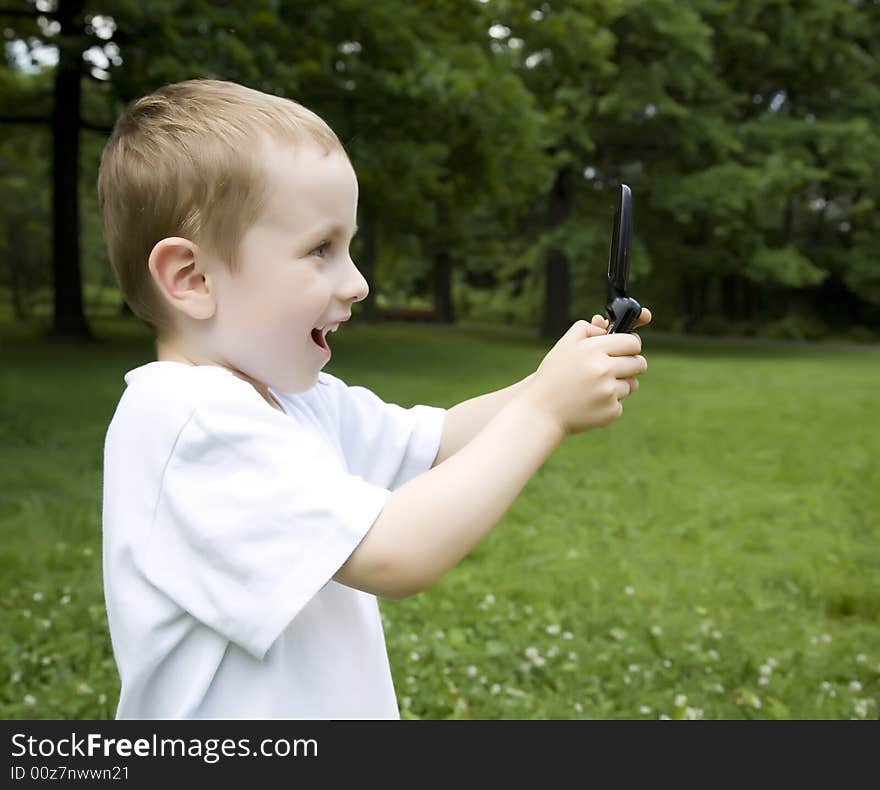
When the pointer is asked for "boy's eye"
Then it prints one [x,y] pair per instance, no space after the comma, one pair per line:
[322,246]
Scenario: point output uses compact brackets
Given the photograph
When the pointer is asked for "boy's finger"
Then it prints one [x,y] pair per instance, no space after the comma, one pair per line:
[644,317]
[595,331]
[599,321]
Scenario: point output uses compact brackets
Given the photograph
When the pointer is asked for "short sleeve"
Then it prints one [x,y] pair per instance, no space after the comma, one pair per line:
[386,443]
[253,518]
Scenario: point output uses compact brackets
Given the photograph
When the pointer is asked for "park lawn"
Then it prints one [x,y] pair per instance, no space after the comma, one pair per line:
[715,553]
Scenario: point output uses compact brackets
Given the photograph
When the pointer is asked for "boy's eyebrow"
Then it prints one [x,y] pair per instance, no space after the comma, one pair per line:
[334,227]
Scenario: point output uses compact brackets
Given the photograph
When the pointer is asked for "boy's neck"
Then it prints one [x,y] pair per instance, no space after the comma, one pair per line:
[166,352]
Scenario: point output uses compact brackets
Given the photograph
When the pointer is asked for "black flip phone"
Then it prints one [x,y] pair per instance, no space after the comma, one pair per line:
[623,311]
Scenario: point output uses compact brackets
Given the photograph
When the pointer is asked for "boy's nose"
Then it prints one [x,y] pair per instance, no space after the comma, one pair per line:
[356,287]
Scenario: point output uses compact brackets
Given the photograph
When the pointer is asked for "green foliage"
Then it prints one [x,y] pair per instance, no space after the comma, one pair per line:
[748,131]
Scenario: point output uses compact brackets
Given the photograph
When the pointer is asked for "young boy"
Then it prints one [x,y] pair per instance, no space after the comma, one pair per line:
[254,506]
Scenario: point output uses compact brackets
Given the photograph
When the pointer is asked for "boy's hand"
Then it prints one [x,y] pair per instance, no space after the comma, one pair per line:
[644,318]
[582,380]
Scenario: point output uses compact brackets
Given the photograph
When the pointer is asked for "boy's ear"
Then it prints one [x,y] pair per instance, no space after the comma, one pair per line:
[180,274]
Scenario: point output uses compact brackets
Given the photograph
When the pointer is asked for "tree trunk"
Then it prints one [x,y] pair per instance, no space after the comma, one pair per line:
[729,298]
[441,276]
[69,318]
[555,320]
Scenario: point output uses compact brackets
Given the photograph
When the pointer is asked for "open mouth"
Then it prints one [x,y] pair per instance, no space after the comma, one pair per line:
[319,339]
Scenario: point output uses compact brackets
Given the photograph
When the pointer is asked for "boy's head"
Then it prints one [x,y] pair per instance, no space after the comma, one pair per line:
[227,214]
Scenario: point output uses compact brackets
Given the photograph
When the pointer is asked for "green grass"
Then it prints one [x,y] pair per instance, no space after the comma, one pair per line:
[714,553]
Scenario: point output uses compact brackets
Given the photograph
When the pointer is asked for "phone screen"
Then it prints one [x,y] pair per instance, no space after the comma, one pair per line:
[621,241]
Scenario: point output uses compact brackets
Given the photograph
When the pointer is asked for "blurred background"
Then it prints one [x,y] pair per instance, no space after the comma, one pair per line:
[728,566]
[488,139]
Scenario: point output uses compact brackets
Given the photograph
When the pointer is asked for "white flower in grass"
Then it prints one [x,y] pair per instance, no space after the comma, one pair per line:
[826,638]
[572,655]
[772,662]
[567,635]
[410,680]
[716,635]
[861,708]
[825,685]
[528,609]
[572,554]
[26,612]
[45,622]
[46,660]
[713,655]
[644,710]
[680,700]
[629,590]
[633,668]
[83,688]
[472,671]
[578,707]
[102,698]
[489,599]
[414,656]
[861,658]
[554,629]
[407,701]
[656,630]
[667,663]
[413,637]
[439,634]
[693,713]
[531,652]
[855,685]
[38,596]
[553,651]
[763,680]
[496,689]
[65,599]
[663,717]
[87,551]
[30,699]
[627,680]
[765,669]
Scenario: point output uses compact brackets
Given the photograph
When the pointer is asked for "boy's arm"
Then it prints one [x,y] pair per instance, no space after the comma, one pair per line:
[431,522]
[466,419]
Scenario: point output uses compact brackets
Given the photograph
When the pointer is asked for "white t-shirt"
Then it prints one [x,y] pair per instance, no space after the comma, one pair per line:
[224,521]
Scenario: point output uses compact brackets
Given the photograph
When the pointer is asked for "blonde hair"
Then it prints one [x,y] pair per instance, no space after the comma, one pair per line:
[184,161]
